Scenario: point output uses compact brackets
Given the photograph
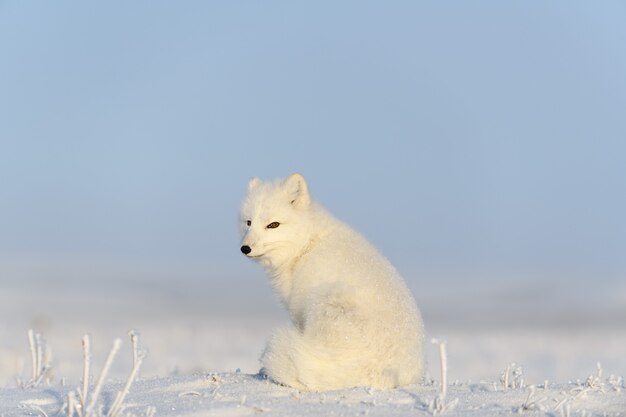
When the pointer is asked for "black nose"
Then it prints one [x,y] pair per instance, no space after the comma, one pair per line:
[246,249]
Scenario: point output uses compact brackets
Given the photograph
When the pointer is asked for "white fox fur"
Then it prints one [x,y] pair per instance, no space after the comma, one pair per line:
[354,321]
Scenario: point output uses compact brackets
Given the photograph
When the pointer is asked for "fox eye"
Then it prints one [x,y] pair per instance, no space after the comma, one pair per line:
[249,223]
[273,225]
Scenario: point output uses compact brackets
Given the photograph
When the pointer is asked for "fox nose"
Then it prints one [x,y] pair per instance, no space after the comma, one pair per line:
[246,249]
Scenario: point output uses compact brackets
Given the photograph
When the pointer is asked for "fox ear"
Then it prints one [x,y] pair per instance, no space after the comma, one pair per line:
[254,182]
[297,190]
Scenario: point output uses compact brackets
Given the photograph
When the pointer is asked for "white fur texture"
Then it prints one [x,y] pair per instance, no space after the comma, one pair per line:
[354,321]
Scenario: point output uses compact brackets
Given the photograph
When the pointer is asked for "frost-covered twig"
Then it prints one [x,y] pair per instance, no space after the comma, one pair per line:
[85,405]
[594,382]
[107,365]
[134,341]
[504,378]
[561,402]
[512,377]
[138,357]
[34,353]
[71,404]
[617,383]
[86,367]
[40,358]
[438,405]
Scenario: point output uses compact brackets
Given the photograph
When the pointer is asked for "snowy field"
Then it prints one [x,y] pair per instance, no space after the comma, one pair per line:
[203,362]
[479,145]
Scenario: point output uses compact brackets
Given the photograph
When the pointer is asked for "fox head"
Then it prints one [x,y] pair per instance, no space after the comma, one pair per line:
[275,220]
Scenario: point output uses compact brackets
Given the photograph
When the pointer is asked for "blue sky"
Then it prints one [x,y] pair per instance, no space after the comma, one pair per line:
[465,139]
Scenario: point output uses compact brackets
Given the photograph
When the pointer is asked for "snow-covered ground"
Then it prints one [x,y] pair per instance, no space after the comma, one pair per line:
[239,394]
[203,362]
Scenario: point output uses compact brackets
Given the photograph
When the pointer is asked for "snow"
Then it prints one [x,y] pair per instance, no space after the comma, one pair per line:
[240,394]
[205,362]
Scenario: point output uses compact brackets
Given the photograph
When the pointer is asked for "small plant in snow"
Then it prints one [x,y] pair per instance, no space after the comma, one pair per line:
[593,383]
[512,377]
[40,356]
[439,405]
[617,383]
[86,405]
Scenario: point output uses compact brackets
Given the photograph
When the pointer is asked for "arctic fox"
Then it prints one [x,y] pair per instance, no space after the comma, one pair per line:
[354,321]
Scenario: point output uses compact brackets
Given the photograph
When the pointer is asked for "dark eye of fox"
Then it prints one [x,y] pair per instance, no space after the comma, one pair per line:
[273,225]
[249,223]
